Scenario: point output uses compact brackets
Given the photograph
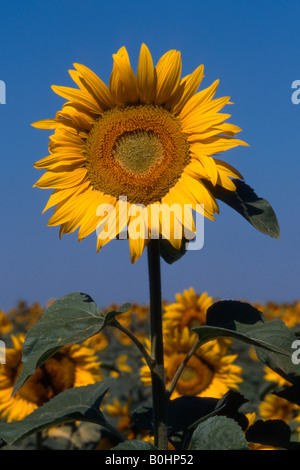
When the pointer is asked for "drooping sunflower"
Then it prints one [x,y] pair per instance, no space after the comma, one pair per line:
[71,366]
[142,143]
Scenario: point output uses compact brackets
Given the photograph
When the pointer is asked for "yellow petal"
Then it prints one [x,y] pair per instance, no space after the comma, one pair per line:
[201,112]
[98,88]
[61,180]
[56,161]
[198,99]
[187,88]
[123,82]
[60,195]
[78,96]
[168,71]
[214,145]
[146,79]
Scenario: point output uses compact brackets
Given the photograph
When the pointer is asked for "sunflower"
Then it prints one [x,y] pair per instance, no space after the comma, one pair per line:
[272,376]
[6,325]
[71,366]
[189,310]
[122,413]
[208,373]
[273,407]
[123,154]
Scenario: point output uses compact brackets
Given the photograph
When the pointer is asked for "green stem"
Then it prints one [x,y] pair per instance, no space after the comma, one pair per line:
[139,345]
[159,394]
[181,367]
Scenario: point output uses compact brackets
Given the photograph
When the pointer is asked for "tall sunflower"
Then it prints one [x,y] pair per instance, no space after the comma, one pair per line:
[142,143]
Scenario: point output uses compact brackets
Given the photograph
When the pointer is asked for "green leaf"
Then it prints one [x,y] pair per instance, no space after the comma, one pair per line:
[75,404]
[71,319]
[275,433]
[254,209]
[134,445]
[185,413]
[235,324]
[227,406]
[291,394]
[169,253]
[272,339]
[110,316]
[218,433]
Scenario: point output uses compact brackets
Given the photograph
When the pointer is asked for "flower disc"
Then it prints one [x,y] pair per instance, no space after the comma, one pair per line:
[136,151]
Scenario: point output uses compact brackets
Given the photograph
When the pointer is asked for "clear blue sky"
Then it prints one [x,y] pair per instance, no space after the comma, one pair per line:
[251,46]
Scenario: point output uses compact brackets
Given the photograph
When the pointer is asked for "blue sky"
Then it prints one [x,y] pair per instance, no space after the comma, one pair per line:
[251,46]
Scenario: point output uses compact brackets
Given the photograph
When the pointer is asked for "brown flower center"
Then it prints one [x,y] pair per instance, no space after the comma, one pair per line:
[136,151]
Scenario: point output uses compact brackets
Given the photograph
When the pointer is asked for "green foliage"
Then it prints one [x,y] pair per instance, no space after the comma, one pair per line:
[256,210]
[273,433]
[239,320]
[195,423]
[77,404]
[218,433]
[169,253]
[71,319]
[135,445]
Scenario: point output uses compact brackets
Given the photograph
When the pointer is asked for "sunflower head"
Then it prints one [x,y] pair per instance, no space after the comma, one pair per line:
[147,139]
[210,372]
[71,366]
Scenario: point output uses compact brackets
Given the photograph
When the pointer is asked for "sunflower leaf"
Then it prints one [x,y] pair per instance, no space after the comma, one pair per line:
[135,445]
[75,404]
[110,316]
[71,319]
[254,209]
[169,254]
[272,339]
[273,432]
[218,433]
[291,394]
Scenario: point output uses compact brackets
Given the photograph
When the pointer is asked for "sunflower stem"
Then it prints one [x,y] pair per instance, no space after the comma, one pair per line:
[181,367]
[149,361]
[159,394]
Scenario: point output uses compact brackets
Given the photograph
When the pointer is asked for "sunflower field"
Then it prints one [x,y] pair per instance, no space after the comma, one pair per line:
[225,390]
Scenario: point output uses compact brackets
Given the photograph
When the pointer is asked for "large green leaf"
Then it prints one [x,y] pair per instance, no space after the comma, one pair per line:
[76,404]
[185,413]
[272,339]
[134,445]
[71,319]
[291,394]
[254,209]
[218,433]
[275,433]
[241,321]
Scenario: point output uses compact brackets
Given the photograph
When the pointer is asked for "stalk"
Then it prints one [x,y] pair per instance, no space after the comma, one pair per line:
[159,393]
